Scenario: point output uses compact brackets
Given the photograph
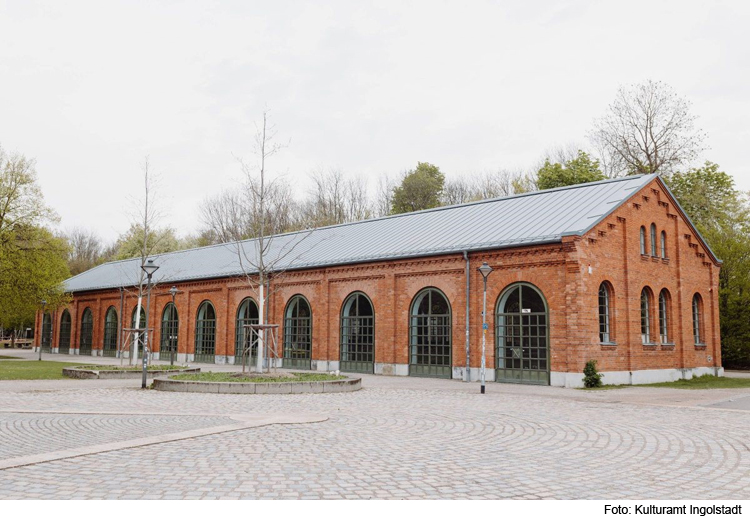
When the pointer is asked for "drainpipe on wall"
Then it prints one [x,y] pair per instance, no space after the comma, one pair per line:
[467,372]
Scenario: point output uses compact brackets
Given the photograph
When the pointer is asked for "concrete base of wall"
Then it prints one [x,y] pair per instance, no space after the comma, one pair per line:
[637,377]
[392,369]
[321,365]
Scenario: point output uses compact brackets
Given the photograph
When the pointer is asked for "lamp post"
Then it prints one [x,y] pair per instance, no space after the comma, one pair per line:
[485,270]
[149,267]
[172,291]
[41,337]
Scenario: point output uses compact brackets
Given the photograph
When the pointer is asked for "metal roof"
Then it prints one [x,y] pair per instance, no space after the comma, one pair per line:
[531,218]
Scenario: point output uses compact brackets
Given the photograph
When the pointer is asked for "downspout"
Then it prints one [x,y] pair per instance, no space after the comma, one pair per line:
[467,372]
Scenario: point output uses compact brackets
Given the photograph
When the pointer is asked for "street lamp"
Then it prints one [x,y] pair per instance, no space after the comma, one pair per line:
[485,270]
[172,291]
[150,268]
[41,337]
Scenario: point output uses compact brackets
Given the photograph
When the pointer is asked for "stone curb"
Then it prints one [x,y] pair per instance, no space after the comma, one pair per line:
[243,422]
[231,387]
[90,373]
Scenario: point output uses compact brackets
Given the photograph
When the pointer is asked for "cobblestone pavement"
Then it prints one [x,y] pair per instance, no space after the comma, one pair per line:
[396,438]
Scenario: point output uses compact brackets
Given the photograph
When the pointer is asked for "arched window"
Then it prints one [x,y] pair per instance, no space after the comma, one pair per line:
[205,333]
[430,331]
[170,324]
[298,334]
[653,240]
[110,333]
[522,354]
[46,333]
[141,325]
[87,333]
[646,315]
[698,319]
[247,314]
[663,244]
[605,310]
[643,240]
[357,334]
[65,327]
[664,317]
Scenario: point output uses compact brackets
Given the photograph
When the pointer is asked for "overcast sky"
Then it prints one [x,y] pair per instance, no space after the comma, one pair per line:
[90,88]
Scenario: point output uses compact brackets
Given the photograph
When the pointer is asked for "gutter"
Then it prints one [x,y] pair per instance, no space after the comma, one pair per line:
[467,372]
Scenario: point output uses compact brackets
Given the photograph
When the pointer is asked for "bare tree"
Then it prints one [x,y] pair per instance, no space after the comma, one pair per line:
[496,184]
[84,249]
[146,219]
[384,196]
[480,186]
[458,191]
[335,199]
[262,257]
[358,205]
[647,129]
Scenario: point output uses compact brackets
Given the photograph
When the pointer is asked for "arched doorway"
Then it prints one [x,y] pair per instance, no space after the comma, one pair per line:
[247,314]
[522,354]
[205,334]
[430,335]
[170,323]
[46,333]
[298,334]
[87,333]
[110,333]
[65,327]
[133,335]
[357,352]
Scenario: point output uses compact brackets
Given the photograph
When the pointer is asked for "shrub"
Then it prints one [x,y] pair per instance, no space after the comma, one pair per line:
[591,376]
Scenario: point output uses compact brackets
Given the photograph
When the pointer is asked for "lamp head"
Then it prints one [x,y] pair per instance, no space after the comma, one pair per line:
[149,267]
[485,270]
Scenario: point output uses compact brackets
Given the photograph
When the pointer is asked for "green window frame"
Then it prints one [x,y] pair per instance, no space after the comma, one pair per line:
[646,316]
[110,333]
[247,314]
[522,335]
[87,333]
[65,328]
[298,334]
[605,310]
[205,333]
[357,334]
[46,337]
[170,326]
[430,325]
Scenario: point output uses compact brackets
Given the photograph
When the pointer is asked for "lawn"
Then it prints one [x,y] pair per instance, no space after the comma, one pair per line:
[295,377]
[136,368]
[705,382]
[33,370]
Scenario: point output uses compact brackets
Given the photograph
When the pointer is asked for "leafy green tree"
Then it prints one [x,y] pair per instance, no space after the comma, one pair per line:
[581,169]
[130,244]
[32,260]
[722,215]
[420,189]
[32,268]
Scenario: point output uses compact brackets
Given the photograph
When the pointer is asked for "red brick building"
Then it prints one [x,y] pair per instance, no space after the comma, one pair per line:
[612,271]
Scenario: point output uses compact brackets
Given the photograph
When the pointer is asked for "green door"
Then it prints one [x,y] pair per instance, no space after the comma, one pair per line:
[522,354]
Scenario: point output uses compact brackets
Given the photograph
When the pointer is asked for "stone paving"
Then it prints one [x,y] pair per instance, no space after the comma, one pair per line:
[396,438]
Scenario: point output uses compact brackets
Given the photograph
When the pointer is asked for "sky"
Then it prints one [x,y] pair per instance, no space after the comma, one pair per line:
[89,89]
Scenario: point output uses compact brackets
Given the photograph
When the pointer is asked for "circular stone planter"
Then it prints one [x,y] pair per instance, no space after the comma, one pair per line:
[90,372]
[235,387]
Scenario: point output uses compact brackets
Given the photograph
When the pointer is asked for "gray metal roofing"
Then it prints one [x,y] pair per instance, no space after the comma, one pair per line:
[530,218]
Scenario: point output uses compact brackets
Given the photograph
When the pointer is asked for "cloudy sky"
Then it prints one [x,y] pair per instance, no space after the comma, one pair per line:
[90,88]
